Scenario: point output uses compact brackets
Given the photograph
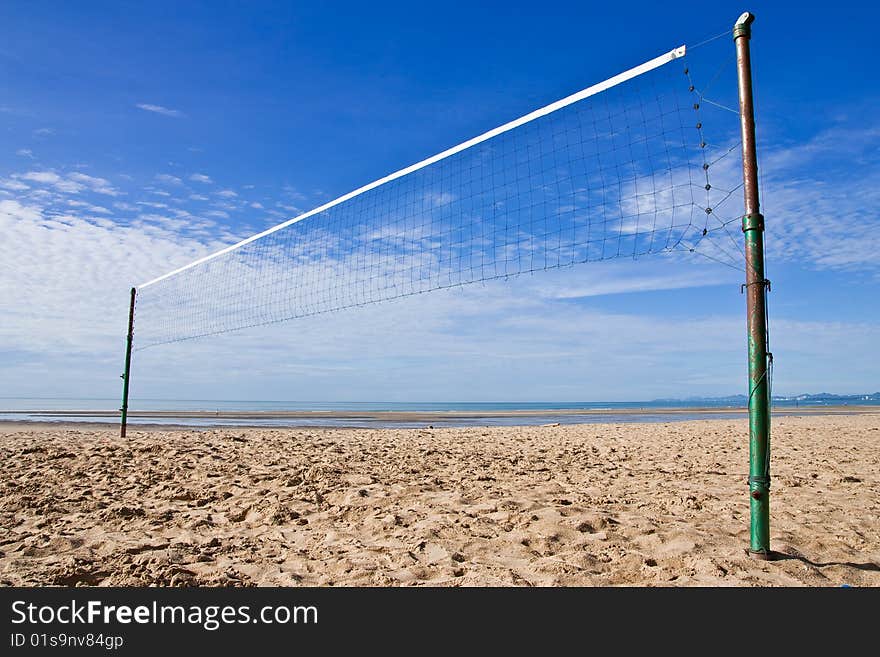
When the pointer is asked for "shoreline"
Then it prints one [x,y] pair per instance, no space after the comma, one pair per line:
[406,415]
[398,419]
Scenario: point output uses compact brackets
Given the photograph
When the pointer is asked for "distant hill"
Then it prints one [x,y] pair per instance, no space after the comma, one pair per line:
[821,397]
[829,397]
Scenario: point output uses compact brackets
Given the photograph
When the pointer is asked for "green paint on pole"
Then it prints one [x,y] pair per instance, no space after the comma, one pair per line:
[759,399]
[756,289]
[127,374]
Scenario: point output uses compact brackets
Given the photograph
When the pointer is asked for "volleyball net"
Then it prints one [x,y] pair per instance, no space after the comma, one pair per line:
[628,167]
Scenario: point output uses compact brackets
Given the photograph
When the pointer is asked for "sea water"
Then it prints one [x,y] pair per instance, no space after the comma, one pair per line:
[545,412]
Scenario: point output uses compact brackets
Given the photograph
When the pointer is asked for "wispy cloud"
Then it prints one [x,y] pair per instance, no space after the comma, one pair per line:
[13,185]
[71,256]
[439,199]
[151,204]
[627,282]
[95,209]
[73,183]
[546,336]
[68,267]
[97,185]
[158,109]
[25,152]
[53,179]
[292,192]
[818,212]
[44,132]
[227,193]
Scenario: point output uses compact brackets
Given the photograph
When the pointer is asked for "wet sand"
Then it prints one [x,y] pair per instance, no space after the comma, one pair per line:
[428,417]
[596,504]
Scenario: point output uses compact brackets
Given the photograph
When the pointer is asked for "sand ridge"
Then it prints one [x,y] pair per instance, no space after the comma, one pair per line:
[599,504]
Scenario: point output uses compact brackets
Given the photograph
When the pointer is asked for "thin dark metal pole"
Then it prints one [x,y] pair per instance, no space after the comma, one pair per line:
[127,374]
[756,305]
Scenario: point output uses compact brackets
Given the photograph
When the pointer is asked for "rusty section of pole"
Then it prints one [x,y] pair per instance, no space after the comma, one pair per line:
[756,305]
[742,33]
[127,374]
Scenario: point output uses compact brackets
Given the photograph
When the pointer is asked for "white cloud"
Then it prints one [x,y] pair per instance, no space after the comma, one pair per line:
[816,212]
[158,109]
[44,132]
[503,341]
[227,193]
[13,185]
[72,272]
[296,195]
[550,336]
[97,185]
[53,179]
[169,179]
[625,283]
[73,183]
[13,210]
[25,152]
[522,339]
[47,177]
[439,199]
[65,273]
[95,209]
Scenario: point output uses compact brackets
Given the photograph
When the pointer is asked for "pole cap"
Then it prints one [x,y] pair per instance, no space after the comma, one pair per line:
[743,25]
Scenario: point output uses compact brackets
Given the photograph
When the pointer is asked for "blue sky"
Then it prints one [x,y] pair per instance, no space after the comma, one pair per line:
[242,115]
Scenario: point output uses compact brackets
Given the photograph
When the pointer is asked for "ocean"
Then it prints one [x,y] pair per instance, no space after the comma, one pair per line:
[418,414]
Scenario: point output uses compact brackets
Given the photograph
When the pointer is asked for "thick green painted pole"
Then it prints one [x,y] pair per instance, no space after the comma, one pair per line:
[127,374]
[756,305]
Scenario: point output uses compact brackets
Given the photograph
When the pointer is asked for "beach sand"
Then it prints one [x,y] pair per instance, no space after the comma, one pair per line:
[599,504]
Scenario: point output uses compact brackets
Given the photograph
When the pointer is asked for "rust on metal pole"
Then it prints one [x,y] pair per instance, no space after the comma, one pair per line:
[127,374]
[742,33]
[756,305]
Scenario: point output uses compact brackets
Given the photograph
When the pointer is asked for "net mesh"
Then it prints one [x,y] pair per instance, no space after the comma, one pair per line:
[641,168]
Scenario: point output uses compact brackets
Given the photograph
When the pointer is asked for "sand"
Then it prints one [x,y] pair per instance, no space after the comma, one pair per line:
[661,504]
